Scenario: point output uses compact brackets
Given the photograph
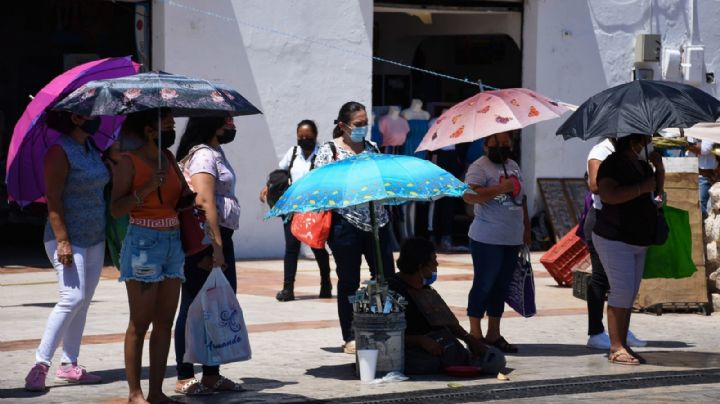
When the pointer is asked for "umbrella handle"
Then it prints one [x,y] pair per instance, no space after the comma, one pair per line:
[509,194]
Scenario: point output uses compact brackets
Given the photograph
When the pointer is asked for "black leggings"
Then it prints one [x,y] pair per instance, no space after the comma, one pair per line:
[598,285]
[292,251]
[194,280]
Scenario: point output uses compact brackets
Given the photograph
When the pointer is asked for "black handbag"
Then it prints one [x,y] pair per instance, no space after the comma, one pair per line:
[662,230]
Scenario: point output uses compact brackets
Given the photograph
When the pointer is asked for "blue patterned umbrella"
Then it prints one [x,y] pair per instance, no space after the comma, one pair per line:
[368,178]
[186,96]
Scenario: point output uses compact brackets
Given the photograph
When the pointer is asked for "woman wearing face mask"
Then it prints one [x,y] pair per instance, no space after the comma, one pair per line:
[433,333]
[624,228]
[351,232]
[500,228]
[75,177]
[211,176]
[299,160]
[151,259]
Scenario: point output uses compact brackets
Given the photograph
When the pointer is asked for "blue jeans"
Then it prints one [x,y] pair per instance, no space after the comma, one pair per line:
[704,184]
[493,267]
[150,255]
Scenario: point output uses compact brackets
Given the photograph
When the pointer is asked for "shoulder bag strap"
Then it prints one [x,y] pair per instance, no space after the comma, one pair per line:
[292,161]
[333,148]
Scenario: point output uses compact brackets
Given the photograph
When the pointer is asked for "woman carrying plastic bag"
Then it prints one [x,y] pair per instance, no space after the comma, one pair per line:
[215,332]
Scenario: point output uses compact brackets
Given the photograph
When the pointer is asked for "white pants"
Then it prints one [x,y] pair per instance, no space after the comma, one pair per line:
[76,284]
[624,265]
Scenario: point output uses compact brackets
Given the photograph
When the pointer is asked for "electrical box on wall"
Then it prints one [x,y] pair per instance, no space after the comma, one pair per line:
[693,64]
[647,48]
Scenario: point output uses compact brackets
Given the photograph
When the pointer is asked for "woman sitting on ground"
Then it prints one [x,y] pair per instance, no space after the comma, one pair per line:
[433,333]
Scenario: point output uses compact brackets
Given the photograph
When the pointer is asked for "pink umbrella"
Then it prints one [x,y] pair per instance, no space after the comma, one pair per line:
[32,138]
[490,112]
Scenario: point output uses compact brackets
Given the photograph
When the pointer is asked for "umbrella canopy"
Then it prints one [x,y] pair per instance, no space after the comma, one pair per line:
[186,96]
[31,137]
[490,112]
[368,177]
[641,106]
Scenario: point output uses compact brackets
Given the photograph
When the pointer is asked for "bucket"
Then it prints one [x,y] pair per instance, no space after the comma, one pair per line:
[367,363]
[384,332]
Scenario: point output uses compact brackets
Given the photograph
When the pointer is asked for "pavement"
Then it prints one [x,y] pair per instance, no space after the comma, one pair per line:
[297,355]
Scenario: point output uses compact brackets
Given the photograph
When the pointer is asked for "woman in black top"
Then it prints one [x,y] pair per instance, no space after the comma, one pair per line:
[625,227]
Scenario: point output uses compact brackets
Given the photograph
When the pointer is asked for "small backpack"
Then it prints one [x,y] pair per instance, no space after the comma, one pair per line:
[280,180]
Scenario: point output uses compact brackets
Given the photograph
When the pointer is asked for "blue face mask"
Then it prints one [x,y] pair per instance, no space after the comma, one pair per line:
[358,134]
[431,279]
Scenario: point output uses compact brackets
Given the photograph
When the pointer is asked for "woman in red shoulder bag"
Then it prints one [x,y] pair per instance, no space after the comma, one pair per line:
[298,161]
[209,173]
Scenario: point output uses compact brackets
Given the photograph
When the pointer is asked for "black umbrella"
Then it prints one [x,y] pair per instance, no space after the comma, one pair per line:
[642,106]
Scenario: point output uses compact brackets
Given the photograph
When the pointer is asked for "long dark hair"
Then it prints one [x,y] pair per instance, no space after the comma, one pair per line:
[199,130]
[345,115]
[310,123]
[414,253]
[60,121]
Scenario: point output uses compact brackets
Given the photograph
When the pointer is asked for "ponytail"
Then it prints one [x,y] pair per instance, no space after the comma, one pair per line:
[345,115]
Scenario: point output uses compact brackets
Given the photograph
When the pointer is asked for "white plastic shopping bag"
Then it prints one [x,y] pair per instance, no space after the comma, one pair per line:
[215,332]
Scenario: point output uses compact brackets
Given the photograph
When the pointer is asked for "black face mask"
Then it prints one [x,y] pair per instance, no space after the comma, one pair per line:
[91,126]
[307,144]
[227,136]
[167,138]
[498,154]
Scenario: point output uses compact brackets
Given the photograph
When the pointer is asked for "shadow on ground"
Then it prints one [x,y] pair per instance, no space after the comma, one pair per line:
[254,394]
[682,359]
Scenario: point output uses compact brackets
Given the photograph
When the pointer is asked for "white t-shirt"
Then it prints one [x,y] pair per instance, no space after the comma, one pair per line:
[706,159]
[600,152]
[301,166]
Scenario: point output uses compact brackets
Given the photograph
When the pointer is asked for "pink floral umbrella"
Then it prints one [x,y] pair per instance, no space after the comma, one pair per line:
[490,112]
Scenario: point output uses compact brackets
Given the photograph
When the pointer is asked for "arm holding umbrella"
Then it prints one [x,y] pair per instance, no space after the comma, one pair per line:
[613,193]
[56,172]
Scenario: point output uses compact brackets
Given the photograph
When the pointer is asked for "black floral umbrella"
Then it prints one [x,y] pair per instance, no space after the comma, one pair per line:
[185,96]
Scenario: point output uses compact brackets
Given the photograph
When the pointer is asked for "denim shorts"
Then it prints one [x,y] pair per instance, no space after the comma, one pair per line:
[149,255]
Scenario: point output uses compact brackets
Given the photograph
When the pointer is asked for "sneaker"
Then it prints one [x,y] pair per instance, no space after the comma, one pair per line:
[74,374]
[35,380]
[634,341]
[599,341]
[349,347]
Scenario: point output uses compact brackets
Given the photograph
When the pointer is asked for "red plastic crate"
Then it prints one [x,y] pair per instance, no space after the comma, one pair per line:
[563,256]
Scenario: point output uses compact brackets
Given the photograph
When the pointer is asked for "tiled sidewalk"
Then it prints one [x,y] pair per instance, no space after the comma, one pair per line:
[296,345]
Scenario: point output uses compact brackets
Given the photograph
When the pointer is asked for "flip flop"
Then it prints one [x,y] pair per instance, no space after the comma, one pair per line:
[193,387]
[221,385]
[623,357]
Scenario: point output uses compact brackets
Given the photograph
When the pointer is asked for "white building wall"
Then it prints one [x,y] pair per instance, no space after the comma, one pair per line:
[287,78]
[576,48]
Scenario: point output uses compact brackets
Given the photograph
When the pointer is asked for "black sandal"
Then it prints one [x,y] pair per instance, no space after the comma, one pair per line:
[503,345]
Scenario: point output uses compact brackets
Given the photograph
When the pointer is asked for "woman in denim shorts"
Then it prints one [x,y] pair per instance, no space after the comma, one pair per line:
[151,258]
